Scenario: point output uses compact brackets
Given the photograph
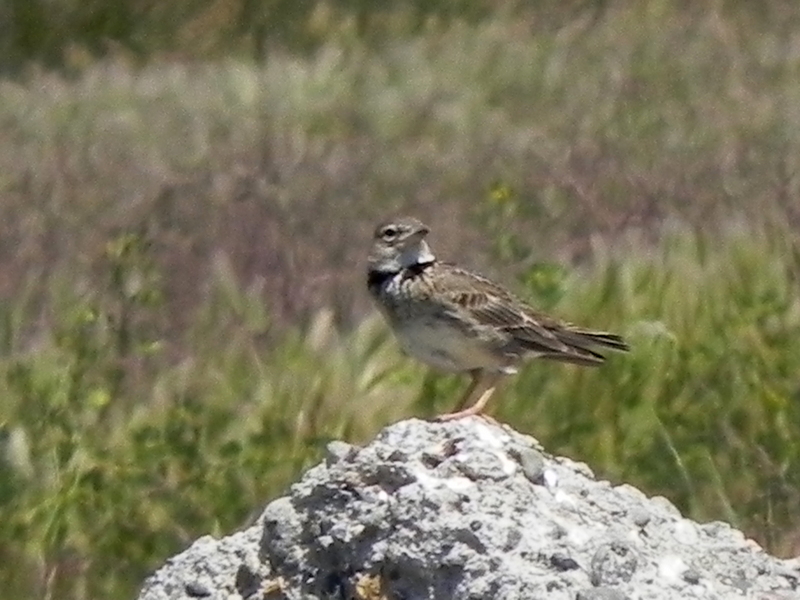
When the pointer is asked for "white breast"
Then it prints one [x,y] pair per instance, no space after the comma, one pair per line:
[443,347]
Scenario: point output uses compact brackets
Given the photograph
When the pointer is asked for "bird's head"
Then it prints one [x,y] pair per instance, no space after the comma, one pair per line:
[399,244]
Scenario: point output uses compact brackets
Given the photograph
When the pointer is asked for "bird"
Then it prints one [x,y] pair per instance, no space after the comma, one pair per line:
[456,320]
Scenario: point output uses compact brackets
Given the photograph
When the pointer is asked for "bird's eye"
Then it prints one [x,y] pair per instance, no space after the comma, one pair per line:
[389,232]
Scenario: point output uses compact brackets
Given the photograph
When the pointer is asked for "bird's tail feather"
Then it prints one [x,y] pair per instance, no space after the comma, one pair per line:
[580,343]
[601,338]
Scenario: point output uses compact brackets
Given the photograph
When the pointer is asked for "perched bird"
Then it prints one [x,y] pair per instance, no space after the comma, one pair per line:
[456,320]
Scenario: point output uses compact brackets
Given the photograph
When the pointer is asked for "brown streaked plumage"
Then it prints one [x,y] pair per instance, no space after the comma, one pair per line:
[456,320]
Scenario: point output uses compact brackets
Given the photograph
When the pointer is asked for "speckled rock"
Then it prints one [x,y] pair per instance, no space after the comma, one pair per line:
[469,510]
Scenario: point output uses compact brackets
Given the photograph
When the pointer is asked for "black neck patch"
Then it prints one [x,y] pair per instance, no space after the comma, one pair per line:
[376,279]
[415,269]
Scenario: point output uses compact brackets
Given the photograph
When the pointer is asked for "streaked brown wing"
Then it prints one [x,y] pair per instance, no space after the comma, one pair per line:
[491,305]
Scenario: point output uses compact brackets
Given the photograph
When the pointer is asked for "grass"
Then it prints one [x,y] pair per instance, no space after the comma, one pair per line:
[704,410]
[182,320]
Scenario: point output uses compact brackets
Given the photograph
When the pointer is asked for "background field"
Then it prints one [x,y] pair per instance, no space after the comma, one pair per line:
[186,201]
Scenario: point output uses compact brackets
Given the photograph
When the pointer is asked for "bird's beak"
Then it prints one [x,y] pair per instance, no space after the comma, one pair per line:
[416,235]
[421,232]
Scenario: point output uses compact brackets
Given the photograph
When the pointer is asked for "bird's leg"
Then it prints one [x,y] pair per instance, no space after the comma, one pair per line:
[479,391]
[467,396]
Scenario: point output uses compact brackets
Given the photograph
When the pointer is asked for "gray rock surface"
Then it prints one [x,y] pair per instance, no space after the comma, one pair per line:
[470,510]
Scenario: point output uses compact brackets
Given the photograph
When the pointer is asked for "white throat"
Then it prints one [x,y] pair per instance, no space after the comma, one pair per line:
[418,254]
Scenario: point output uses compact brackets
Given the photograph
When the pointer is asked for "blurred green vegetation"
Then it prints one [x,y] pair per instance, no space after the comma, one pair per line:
[183,324]
[68,34]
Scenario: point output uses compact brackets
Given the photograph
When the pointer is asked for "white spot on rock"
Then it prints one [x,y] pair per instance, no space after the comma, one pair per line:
[685,532]
[563,497]
[671,567]
[550,478]
[579,536]
[509,466]
[425,480]
[490,436]
[458,484]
